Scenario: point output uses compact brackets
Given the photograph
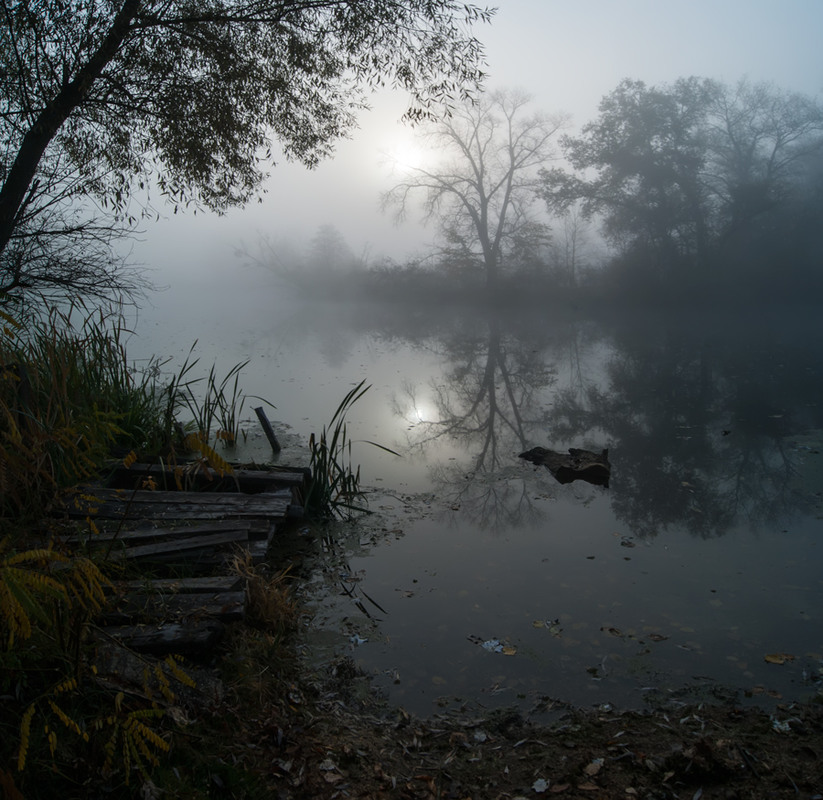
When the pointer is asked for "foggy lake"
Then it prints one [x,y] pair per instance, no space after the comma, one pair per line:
[479,578]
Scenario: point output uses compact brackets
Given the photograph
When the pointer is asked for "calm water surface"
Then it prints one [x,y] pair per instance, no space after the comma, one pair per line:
[480,578]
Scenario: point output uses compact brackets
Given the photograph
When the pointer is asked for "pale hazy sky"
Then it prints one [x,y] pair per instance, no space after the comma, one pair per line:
[567,54]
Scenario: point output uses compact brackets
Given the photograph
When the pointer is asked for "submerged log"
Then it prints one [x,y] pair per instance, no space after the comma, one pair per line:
[576,464]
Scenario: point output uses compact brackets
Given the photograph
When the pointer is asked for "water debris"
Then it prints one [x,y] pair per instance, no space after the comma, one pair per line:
[594,767]
[494,645]
[575,465]
[551,625]
[778,658]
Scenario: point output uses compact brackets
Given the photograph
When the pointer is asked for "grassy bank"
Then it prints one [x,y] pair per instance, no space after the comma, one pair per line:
[69,403]
[256,721]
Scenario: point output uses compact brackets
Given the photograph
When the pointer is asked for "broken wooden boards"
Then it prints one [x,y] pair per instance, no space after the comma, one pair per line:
[575,465]
[139,516]
[180,615]
[184,540]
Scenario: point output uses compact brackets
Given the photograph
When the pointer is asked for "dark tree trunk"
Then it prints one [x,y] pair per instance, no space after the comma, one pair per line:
[21,175]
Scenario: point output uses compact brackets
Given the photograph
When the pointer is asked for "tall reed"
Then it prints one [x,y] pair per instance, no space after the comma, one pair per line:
[335,487]
[67,397]
[215,410]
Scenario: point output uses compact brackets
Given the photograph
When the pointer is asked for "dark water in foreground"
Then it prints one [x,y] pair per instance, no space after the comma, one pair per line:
[479,577]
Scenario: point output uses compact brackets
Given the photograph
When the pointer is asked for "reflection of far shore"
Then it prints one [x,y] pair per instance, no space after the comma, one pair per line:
[706,416]
[700,419]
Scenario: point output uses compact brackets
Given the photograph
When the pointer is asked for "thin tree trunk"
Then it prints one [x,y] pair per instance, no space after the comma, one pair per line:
[23,170]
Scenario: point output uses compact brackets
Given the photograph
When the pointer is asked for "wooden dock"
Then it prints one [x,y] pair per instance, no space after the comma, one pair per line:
[180,530]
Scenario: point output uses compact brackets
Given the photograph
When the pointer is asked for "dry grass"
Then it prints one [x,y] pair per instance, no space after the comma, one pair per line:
[270,605]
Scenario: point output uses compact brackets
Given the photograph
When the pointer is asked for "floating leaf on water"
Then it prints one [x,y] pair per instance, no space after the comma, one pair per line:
[508,650]
[778,658]
[612,631]
[551,625]
[657,637]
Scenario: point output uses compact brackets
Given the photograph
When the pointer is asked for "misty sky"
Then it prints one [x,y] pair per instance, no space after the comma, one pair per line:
[566,53]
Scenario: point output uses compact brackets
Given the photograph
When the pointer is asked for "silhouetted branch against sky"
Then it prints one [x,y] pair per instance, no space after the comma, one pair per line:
[192,98]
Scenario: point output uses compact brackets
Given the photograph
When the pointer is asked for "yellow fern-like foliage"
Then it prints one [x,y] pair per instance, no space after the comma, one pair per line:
[29,588]
[25,589]
[196,442]
[137,743]
[173,663]
[25,733]
[129,740]
[85,585]
[10,324]
[69,685]
[163,672]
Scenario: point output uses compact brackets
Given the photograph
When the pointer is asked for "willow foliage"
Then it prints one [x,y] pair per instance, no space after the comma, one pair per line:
[103,97]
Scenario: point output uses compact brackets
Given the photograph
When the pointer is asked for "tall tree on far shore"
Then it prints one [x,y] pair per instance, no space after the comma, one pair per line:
[481,185]
[186,100]
[684,175]
[644,154]
[760,138]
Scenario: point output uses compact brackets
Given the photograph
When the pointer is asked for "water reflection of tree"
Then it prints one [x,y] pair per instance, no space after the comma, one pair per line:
[485,405]
[698,426]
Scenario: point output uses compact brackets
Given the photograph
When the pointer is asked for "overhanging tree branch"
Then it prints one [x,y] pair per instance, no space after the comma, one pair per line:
[188,95]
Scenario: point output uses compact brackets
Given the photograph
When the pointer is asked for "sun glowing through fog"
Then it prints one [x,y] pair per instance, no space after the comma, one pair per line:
[406,155]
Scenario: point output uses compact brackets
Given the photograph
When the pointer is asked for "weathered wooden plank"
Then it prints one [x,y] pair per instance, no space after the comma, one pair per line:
[177,546]
[246,480]
[261,500]
[145,535]
[257,551]
[213,583]
[264,533]
[117,667]
[174,637]
[155,607]
[117,504]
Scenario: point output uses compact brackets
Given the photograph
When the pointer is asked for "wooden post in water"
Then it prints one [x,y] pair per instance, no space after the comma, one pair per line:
[267,429]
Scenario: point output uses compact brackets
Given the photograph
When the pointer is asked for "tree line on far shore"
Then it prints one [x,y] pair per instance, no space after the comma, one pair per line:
[693,189]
